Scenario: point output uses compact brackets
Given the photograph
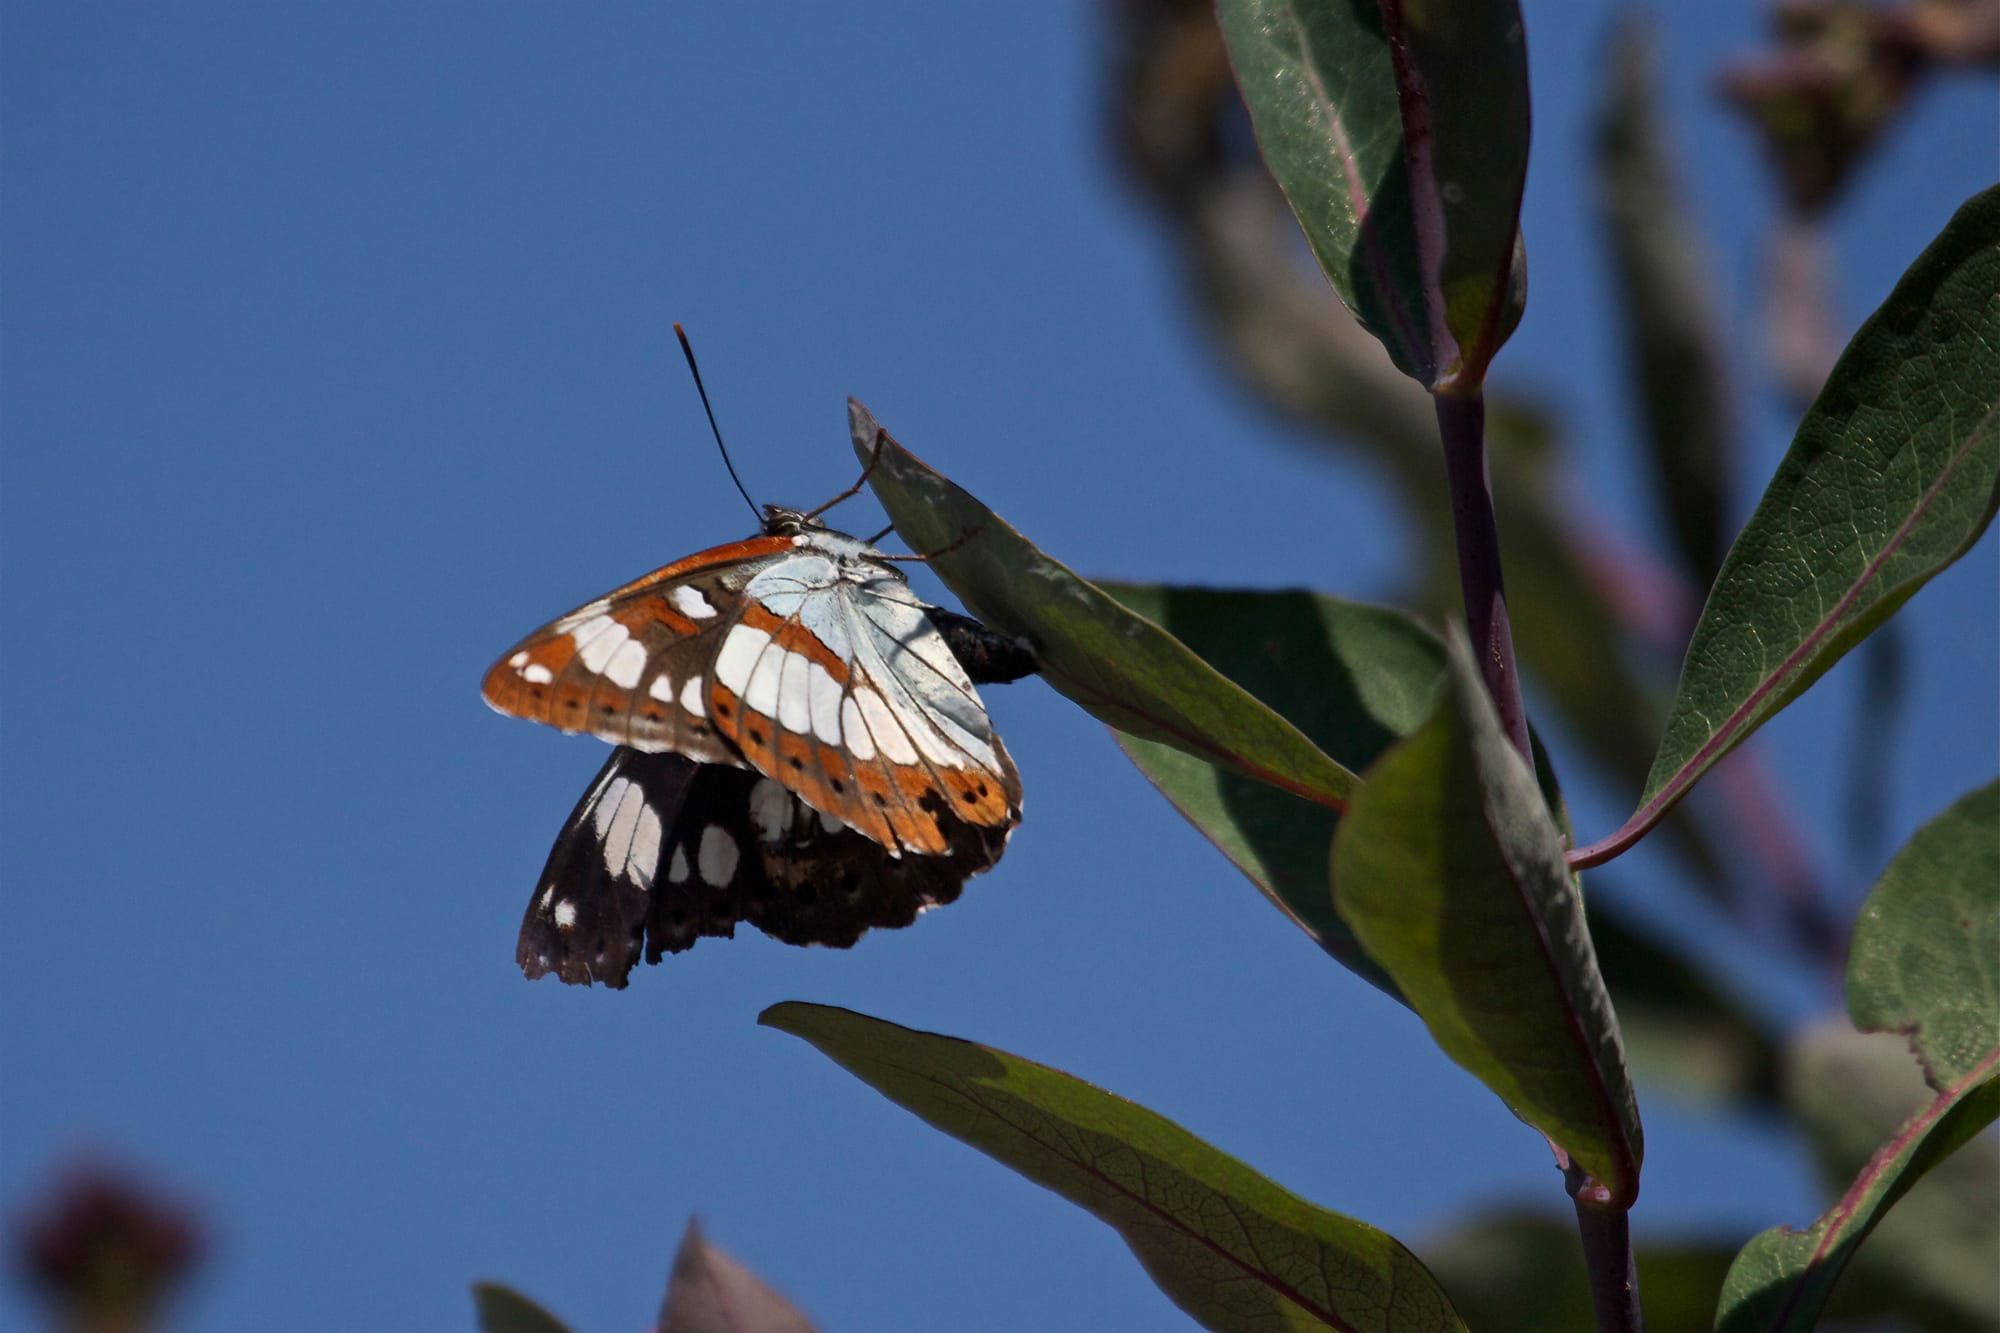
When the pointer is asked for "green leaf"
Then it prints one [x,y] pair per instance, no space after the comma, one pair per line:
[710,1292]
[1449,867]
[1924,962]
[1893,475]
[1122,668]
[1231,1248]
[1353,678]
[1399,133]
[1666,306]
[503,1310]
[1926,953]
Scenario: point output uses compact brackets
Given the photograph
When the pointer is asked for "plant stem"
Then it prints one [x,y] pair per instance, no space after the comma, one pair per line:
[1606,1230]
[1603,1224]
[1462,426]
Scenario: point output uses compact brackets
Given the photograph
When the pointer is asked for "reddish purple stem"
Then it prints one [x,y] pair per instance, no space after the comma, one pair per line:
[1606,1232]
[1462,425]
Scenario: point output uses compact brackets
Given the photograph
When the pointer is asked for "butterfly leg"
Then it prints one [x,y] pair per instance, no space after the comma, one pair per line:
[874,457]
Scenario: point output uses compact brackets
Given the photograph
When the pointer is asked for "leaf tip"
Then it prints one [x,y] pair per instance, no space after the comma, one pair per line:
[783,1015]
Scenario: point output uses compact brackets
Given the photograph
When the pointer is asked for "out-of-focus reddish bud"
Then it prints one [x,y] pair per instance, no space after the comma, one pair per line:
[105,1252]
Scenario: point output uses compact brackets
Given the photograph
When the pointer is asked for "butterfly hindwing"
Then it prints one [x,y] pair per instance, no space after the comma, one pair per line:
[662,851]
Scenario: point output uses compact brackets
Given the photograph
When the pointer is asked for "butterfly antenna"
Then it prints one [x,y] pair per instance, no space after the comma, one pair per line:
[687,350]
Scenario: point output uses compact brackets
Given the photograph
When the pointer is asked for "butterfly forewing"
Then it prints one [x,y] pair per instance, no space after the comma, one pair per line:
[630,667]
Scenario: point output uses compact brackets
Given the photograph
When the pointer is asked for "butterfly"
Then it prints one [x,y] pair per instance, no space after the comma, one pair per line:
[799,746]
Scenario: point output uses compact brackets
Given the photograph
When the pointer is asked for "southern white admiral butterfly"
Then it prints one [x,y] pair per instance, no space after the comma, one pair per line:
[799,746]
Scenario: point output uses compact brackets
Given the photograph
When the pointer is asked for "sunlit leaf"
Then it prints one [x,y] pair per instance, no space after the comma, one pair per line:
[1894,474]
[1124,669]
[1399,133]
[1231,1248]
[1449,868]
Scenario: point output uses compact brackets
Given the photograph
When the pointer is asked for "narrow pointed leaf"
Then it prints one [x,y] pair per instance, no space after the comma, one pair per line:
[1894,474]
[1925,963]
[710,1292]
[1399,134]
[1354,678]
[1122,668]
[503,1310]
[1231,1248]
[1449,867]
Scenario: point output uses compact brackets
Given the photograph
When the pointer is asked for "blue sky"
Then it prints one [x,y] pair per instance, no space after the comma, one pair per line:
[337,354]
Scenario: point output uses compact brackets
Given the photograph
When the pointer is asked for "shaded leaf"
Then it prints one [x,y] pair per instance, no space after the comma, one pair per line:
[503,1310]
[1893,475]
[1353,678]
[1231,1248]
[1924,965]
[1122,668]
[1399,133]
[1449,868]
[709,1292]
[1666,308]
[1356,678]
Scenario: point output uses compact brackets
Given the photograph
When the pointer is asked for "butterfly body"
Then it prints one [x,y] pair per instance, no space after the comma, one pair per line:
[799,746]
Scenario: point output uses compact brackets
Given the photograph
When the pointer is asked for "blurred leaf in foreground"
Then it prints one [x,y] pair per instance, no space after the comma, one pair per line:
[501,1309]
[709,1292]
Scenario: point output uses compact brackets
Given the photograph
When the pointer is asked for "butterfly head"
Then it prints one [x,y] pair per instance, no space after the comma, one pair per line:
[782,522]
[804,530]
